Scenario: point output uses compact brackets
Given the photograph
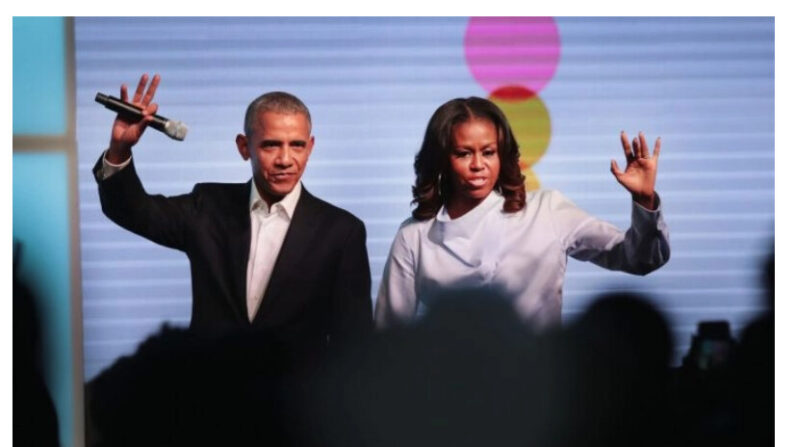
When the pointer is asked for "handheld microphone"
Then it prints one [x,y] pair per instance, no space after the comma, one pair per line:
[174,129]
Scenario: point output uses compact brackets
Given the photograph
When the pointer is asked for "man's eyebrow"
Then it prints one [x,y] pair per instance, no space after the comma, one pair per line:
[276,142]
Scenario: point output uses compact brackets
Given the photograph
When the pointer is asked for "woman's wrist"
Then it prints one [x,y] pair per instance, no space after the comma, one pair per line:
[644,200]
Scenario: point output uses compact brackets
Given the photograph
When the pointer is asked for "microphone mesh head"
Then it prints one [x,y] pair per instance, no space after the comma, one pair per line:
[176,129]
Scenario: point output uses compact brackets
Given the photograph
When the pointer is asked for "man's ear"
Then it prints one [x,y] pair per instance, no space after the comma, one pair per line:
[311,143]
[242,146]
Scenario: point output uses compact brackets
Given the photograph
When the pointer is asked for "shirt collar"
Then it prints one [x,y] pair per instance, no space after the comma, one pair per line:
[490,201]
[287,204]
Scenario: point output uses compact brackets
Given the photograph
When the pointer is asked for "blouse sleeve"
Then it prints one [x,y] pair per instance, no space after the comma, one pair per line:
[397,297]
[642,249]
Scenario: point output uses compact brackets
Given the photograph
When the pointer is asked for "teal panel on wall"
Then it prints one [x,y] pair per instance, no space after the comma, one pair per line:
[41,224]
[39,81]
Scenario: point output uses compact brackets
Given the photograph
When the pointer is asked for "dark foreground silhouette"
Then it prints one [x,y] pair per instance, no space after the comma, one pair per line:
[469,373]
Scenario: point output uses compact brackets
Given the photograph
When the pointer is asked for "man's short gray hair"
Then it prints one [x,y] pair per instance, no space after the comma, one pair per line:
[279,102]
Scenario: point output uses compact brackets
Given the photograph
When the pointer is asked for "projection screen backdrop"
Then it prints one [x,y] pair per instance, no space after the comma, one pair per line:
[704,84]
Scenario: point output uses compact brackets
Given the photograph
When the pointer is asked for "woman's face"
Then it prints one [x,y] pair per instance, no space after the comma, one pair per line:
[474,162]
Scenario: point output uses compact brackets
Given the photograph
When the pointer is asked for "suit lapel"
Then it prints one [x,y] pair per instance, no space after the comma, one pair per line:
[297,242]
[239,246]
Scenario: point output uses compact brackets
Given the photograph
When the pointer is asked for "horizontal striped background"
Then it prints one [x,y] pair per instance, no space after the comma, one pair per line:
[704,84]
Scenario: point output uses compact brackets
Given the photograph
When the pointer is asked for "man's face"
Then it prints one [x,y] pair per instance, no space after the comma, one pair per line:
[278,147]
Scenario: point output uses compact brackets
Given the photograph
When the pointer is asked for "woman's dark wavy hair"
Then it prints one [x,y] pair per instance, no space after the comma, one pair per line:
[432,186]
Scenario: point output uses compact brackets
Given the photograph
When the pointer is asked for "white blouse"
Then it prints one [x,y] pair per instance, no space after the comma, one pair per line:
[521,256]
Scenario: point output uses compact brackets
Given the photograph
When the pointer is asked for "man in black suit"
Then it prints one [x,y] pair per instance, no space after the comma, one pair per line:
[265,254]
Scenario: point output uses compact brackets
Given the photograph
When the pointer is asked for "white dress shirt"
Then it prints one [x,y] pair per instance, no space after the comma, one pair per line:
[269,226]
[520,256]
[109,168]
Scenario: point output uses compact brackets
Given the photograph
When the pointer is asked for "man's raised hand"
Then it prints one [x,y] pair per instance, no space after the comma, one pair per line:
[127,131]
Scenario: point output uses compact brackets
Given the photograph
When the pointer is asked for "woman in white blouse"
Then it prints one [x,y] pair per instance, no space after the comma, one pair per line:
[475,227]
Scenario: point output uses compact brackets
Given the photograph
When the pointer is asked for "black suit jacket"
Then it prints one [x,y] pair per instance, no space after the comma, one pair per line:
[319,291]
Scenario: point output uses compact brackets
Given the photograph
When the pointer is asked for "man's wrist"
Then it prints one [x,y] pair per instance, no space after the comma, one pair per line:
[118,154]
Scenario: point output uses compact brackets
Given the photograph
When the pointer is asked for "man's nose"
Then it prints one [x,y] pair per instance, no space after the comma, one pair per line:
[283,157]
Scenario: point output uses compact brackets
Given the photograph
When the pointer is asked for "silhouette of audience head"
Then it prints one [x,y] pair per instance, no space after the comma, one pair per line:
[35,420]
[470,372]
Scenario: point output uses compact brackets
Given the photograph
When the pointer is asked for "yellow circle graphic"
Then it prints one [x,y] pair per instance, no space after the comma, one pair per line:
[529,120]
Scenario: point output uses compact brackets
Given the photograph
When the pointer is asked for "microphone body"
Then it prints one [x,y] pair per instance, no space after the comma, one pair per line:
[174,129]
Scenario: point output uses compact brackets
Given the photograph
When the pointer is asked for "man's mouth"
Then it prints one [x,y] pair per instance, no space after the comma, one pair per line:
[280,176]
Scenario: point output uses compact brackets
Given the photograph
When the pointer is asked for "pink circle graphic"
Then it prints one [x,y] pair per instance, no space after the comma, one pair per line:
[512,51]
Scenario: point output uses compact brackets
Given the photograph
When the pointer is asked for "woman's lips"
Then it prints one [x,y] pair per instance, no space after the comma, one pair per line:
[476,182]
